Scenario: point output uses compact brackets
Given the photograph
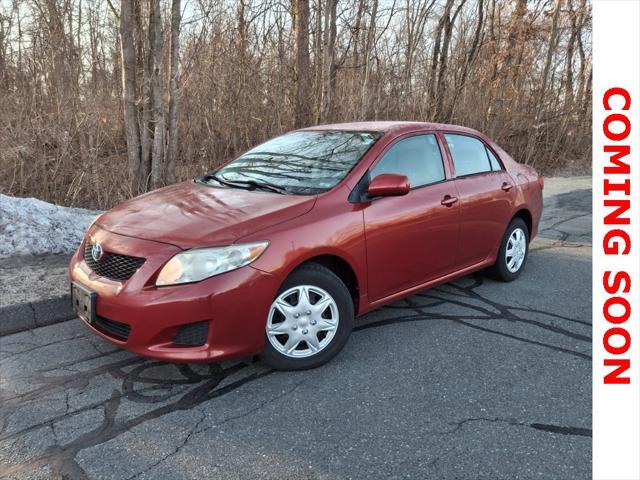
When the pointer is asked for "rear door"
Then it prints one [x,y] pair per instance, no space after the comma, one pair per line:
[486,193]
[412,238]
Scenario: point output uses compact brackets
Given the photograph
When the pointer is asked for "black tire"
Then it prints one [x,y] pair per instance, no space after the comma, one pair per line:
[315,275]
[499,270]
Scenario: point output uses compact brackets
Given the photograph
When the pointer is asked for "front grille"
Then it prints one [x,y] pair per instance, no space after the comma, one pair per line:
[112,265]
[192,334]
[118,330]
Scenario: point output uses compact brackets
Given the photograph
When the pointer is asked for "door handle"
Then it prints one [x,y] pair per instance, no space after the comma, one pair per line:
[448,200]
[506,186]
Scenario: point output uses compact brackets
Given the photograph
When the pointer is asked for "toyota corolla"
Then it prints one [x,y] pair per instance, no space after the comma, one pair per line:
[277,251]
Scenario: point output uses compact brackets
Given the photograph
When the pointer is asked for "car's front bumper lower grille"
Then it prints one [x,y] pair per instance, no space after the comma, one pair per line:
[192,334]
[118,330]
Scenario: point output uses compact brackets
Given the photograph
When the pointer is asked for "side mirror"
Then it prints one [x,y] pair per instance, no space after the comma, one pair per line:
[389,185]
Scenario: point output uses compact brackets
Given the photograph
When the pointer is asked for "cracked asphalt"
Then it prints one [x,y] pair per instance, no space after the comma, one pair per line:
[472,380]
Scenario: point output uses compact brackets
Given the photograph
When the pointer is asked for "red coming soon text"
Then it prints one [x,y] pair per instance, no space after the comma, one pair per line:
[617,240]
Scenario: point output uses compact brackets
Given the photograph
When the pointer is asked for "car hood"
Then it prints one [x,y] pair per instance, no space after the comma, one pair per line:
[194,215]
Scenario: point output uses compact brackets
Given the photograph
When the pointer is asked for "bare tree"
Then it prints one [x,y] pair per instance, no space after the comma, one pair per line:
[157,97]
[416,14]
[172,150]
[442,71]
[129,91]
[371,32]
[303,98]
[329,62]
[104,100]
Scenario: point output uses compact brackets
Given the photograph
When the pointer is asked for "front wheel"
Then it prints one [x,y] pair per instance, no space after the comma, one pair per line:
[512,255]
[309,321]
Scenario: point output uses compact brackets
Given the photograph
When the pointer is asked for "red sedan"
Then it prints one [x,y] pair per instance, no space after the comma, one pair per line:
[277,251]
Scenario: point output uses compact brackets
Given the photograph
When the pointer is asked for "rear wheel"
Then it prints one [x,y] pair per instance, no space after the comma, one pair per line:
[513,252]
[309,321]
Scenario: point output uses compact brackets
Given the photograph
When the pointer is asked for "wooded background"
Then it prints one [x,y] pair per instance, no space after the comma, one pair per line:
[102,100]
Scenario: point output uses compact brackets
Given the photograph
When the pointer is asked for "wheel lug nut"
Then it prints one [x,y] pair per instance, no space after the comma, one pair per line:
[313,322]
[305,331]
[308,312]
[297,315]
[295,327]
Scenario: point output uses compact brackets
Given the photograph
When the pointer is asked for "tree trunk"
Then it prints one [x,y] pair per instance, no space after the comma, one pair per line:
[157,158]
[364,100]
[128,54]
[470,58]
[441,85]
[329,62]
[146,129]
[415,21]
[354,71]
[550,52]
[551,48]
[502,71]
[2,55]
[437,51]
[581,54]
[301,25]
[319,60]
[172,150]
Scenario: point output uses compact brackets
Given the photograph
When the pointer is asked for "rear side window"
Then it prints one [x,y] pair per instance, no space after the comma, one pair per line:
[417,157]
[495,164]
[469,155]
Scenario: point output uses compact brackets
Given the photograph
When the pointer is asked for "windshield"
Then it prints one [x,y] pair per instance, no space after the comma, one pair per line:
[300,162]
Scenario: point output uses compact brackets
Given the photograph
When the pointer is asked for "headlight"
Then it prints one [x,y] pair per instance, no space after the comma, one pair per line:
[198,264]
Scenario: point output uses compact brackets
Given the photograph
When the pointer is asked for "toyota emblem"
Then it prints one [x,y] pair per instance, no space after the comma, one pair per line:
[96,252]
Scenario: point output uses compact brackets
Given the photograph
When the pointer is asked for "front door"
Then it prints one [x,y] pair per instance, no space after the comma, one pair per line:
[412,238]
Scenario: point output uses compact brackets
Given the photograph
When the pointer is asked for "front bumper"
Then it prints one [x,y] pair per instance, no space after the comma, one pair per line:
[235,304]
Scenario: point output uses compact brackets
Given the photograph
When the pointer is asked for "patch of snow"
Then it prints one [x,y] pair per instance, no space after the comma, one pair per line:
[29,226]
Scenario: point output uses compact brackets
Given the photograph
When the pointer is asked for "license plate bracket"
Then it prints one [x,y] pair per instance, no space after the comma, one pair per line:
[83,301]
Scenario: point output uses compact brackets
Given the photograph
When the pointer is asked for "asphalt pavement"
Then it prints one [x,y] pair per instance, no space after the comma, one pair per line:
[475,379]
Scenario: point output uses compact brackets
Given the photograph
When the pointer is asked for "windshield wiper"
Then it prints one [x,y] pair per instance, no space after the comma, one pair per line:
[246,184]
[261,185]
[212,176]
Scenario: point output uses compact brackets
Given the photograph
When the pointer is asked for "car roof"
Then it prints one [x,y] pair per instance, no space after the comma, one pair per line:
[397,127]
